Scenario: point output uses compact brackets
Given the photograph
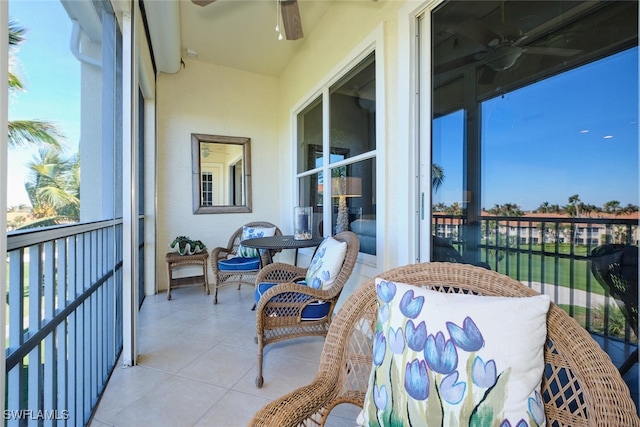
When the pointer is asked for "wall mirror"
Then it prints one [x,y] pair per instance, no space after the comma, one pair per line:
[221,174]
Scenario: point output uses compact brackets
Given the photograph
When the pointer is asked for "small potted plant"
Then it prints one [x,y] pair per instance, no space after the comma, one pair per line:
[185,246]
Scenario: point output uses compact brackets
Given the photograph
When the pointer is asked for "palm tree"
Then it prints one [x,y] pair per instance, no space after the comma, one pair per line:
[27,132]
[437,176]
[53,188]
[612,206]
[574,206]
[543,208]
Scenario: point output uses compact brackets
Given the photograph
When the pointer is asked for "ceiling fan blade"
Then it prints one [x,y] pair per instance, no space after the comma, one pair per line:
[553,51]
[202,2]
[291,19]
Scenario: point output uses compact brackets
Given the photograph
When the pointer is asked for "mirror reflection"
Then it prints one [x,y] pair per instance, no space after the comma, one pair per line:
[221,174]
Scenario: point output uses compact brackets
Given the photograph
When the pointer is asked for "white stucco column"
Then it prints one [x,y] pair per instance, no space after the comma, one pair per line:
[130,192]
[4,107]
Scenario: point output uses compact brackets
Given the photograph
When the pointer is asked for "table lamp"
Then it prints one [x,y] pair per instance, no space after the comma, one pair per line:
[343,187]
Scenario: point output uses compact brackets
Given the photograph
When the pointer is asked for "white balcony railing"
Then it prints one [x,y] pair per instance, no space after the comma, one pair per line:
[64,321]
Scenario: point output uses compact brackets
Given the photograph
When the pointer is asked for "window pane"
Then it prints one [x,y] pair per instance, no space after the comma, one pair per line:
[310,137]
[353,195]
[353,112]
[535,113]
[351,186]
[552,140]
[70,112]
[310,194]
[206,198]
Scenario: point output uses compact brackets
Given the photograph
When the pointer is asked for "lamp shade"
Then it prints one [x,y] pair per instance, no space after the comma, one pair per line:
[349,186]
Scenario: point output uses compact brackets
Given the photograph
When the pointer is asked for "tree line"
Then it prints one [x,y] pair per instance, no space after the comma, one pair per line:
[575,208]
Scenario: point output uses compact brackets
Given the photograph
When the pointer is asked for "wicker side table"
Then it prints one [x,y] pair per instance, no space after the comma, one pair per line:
[175,261]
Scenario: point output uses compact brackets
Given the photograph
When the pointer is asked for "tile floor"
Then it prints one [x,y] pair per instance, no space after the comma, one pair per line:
[197,365]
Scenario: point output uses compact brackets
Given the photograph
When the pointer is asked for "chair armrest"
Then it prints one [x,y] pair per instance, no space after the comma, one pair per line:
[301,404]
[287,301]
[279,272]
[218,254]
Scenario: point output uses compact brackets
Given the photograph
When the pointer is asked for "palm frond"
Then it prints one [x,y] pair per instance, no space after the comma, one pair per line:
[14,82]
[16,33]
[30,132]
[437,176]
[56,197]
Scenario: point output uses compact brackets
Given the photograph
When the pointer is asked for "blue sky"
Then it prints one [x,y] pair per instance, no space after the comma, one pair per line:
[50,75]
[576,133]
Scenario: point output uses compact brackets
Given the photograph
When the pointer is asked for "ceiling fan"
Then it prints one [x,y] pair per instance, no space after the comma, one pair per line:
[290,17]
[502,46]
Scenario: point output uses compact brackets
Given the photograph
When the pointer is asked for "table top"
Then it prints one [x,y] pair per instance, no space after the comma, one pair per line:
[175,256]
[281,242]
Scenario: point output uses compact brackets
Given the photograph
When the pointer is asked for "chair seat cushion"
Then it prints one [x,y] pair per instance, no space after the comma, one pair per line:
[314,311]
[239,264]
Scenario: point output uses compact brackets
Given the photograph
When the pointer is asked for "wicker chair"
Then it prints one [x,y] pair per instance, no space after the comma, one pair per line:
[615,267]
[443,251]
[239,277]
[581,387]
[288,300]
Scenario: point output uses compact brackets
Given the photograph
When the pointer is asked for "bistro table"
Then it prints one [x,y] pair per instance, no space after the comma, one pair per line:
[278,243]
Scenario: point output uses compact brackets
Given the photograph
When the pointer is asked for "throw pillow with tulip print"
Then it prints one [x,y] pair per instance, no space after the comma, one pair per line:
[455,360]
[326,264]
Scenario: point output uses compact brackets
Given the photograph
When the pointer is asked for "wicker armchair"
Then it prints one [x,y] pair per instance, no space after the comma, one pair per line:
[239,277]
[279,310]
[615,267]
[581,387]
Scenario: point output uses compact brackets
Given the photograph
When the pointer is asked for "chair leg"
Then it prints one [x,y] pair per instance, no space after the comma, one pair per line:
[259,379]
[215,292]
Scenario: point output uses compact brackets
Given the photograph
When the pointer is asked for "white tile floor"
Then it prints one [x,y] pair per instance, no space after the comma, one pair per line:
[197,365]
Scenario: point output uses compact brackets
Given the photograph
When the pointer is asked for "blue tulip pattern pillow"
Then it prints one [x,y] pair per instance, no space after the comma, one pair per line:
[455,360]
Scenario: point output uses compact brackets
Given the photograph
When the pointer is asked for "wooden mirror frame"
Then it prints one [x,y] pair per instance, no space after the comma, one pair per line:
[196,139]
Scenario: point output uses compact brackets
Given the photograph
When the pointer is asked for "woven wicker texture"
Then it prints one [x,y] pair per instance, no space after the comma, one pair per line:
[581,387]
[237,277]
[279,310]
[615,267]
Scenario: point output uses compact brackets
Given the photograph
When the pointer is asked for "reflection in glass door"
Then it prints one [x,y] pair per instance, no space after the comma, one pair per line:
[534,129]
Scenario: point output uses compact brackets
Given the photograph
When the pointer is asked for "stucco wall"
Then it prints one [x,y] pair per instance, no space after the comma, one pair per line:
[210,99]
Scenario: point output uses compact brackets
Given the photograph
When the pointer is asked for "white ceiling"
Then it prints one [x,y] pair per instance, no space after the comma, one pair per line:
[235,33]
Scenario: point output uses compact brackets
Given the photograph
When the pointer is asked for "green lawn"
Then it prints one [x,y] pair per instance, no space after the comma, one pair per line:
[557,271]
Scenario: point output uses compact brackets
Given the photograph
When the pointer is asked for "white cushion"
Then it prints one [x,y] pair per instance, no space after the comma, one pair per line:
[454,359]
[326,264]
[252,233]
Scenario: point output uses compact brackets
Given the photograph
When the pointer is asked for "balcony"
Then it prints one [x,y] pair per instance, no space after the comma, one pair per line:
[197,360]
